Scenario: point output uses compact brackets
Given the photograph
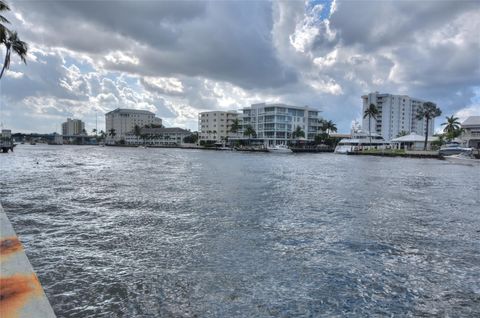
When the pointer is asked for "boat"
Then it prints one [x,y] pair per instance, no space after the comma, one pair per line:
[453,148]
[360,140]
[466,158]
[279,149]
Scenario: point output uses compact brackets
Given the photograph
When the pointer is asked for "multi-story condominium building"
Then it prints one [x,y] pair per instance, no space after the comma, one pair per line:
[396,113]
[215,125]
[124,121]
[73,127]
[158,136]
[471,132]
[275,123]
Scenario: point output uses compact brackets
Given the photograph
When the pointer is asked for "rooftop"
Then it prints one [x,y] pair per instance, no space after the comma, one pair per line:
[413,137]
[472,121]
[281,105]
[129,111]
[165,130]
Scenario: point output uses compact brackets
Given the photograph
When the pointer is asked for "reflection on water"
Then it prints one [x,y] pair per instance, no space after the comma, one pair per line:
[118,232]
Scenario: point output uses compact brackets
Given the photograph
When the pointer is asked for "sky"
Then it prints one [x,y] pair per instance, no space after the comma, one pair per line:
[182,57]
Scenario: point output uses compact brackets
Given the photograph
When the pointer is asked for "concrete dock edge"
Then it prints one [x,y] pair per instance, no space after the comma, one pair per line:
[21,294]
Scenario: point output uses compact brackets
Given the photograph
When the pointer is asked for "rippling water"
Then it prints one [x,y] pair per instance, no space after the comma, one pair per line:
[124,232]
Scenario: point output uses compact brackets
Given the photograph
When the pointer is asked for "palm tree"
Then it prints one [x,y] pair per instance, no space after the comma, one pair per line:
[94,131]
[11,41]
[298,133]
[330,127]
[370,112]
[427,111]
[102,135]
[112,133]
[235,126]
[249,131]
[453,128]
[137,131]
[402,133]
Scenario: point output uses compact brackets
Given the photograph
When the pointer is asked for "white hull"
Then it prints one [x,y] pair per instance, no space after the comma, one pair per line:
[279,150]
[343,149]
[462,160]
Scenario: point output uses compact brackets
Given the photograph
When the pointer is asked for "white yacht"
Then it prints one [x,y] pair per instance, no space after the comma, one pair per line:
[360,140]
[279,149]
[453,148]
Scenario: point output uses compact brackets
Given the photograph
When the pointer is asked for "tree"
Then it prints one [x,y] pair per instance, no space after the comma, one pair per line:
[436,144]
[402,133]
[235,127]
[94,131]
[249,131]
[330,127]
[10,40]
[193,138]
[298,133]
[453,128]
[427,111]
[102,135]
[137,131]
[112,133]
[370,112]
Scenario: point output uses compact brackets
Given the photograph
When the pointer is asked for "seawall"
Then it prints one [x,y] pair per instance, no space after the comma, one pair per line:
[21,294]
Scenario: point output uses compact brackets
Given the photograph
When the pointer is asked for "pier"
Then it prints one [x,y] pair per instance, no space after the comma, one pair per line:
[21,294]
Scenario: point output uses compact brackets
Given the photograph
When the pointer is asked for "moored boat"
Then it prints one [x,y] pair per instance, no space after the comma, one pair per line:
[453,148]
[360,140]
[279,149]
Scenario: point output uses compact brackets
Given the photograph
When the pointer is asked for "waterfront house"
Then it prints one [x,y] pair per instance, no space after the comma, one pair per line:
[471,132]
[412,142]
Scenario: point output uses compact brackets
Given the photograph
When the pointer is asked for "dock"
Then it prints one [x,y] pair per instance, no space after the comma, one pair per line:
[21,294]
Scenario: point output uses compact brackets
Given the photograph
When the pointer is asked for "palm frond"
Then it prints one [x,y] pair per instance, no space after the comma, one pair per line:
[4,6]
[18,46]
[4,20]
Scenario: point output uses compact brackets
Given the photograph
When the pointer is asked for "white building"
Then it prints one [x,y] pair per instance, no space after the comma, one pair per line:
[396,113]
[172,136]
[73,127]
[275,123]
[413,141]
[471,132]
[123,121]
[215,125]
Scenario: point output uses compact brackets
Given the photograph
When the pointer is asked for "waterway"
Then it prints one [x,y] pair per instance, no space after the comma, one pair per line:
[133,232]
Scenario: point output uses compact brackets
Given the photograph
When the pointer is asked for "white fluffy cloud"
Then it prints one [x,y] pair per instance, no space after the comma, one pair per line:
[178,58]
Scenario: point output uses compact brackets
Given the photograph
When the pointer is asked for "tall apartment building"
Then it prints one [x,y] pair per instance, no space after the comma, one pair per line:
[275,123]
[123,121]
[215,125]
[396,113]
[73,127]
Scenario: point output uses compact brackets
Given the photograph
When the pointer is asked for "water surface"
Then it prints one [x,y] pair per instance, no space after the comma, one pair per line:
[125,232]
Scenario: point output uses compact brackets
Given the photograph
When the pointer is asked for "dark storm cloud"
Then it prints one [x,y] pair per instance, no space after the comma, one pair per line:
[373,24]
[228,41]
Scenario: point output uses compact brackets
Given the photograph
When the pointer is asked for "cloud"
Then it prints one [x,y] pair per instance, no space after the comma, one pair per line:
[178,58]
